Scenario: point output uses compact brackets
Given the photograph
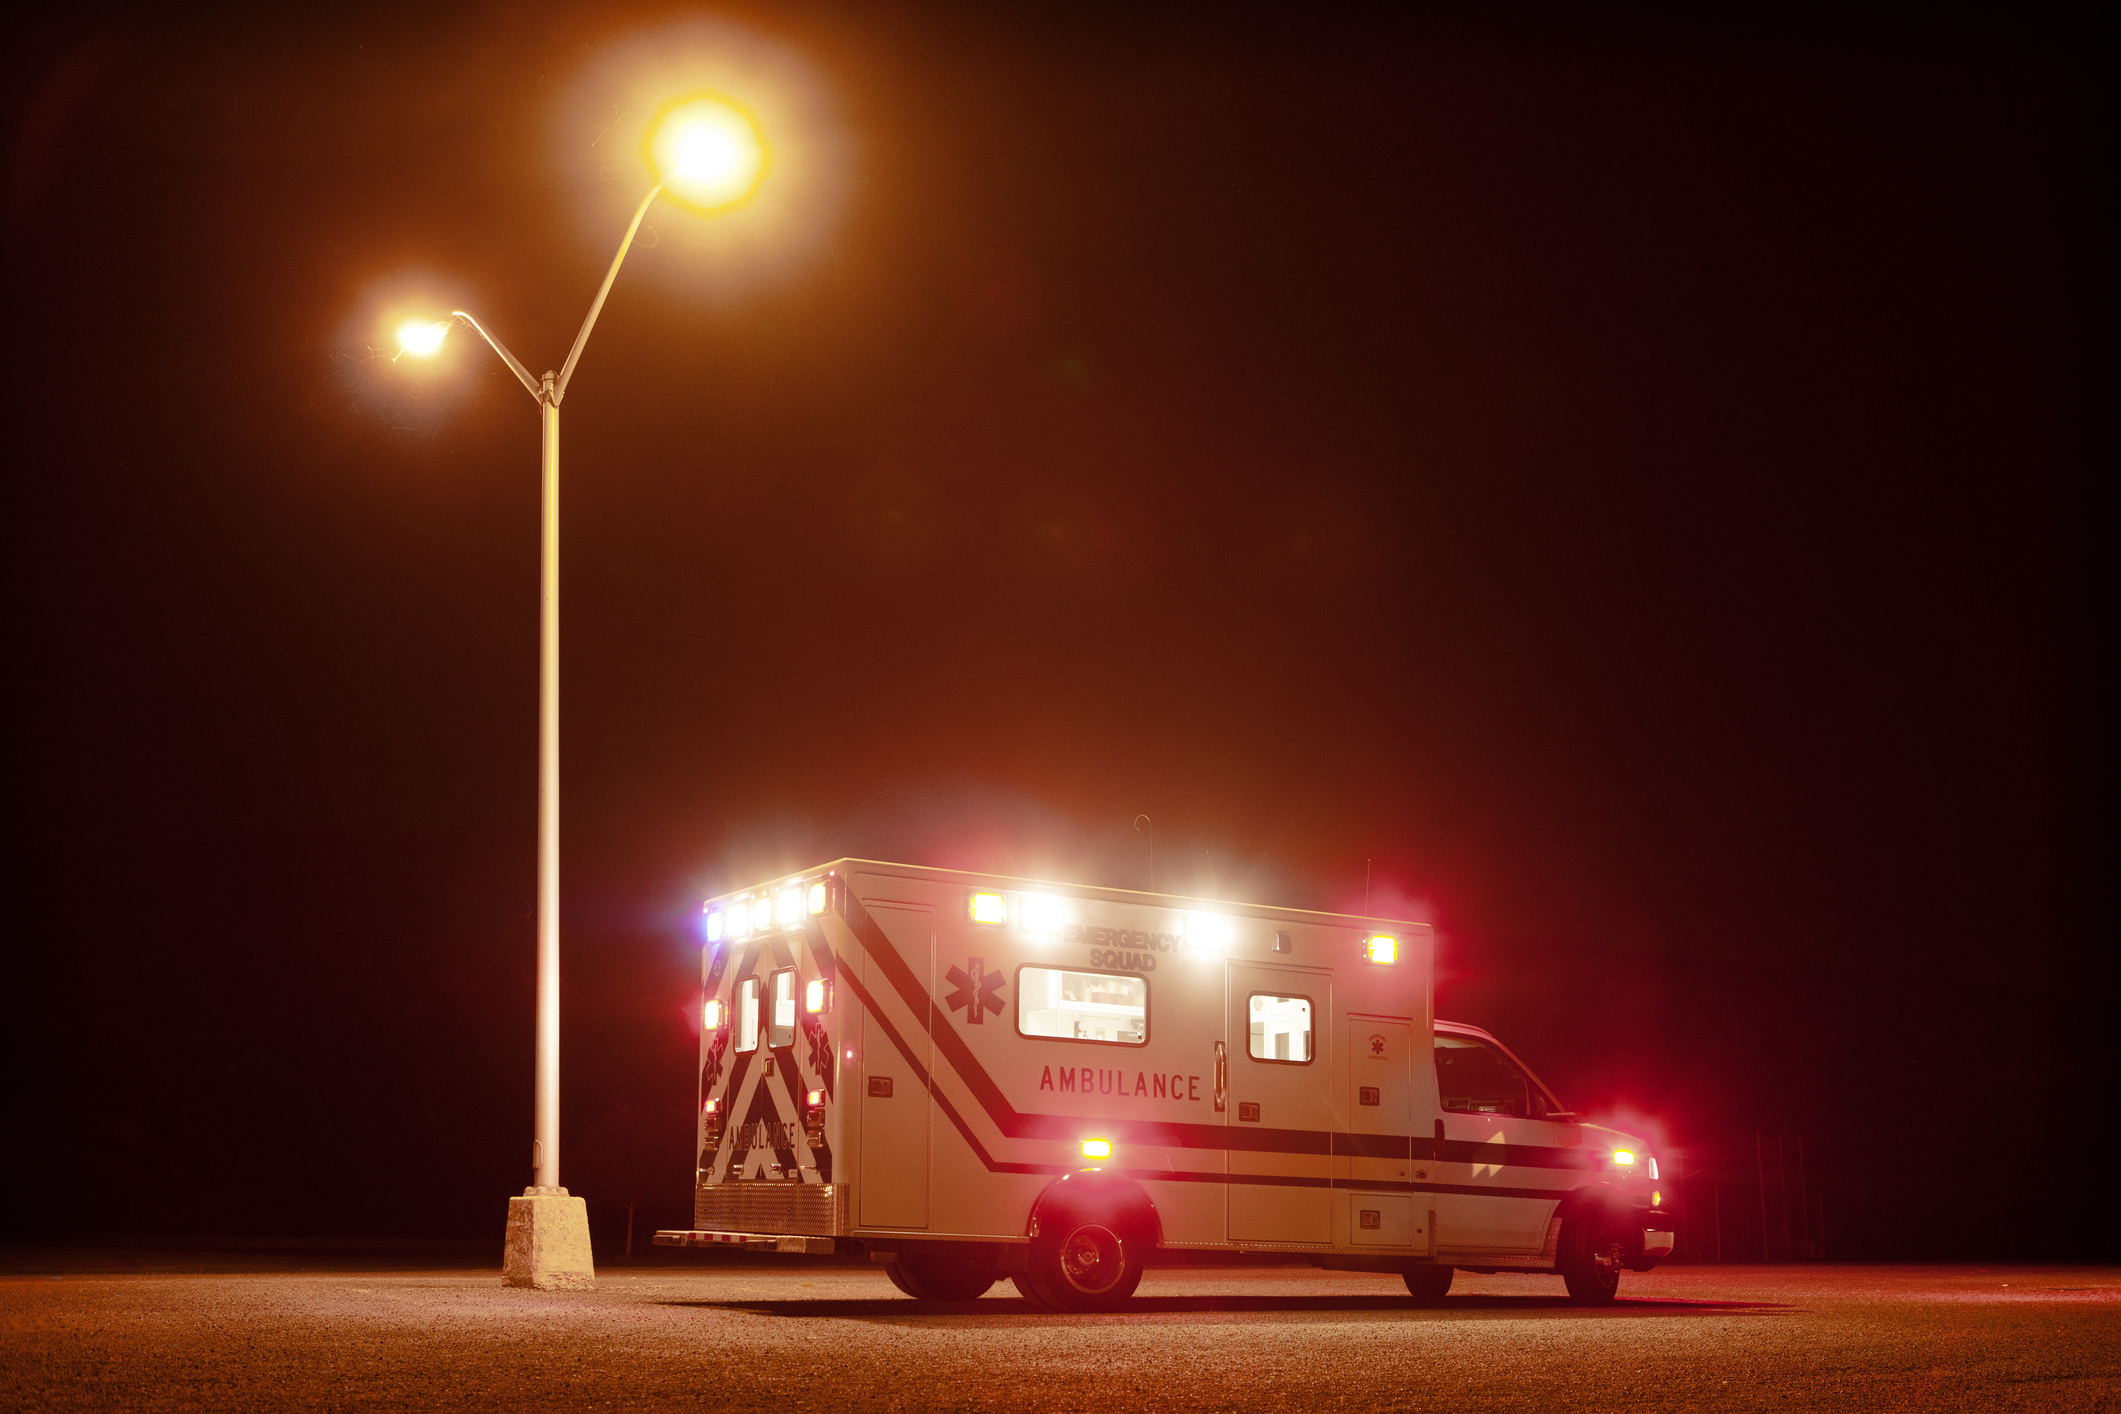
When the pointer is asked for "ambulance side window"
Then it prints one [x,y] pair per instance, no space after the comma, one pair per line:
[1280,1029]
[1082,1006]
[780,1031]
[1472,1078]
[747,1014]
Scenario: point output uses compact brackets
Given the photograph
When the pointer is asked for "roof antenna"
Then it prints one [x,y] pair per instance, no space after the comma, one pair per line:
[1139,821]
[1366,886]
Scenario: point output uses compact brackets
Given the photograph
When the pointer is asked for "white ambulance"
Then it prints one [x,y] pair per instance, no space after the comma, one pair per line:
[970,1077]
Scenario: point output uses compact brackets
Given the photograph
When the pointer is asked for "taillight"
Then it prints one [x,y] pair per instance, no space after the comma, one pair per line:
[814,1117]
[711,1126]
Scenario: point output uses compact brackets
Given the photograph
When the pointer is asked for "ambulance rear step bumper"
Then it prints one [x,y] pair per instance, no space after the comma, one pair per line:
[748,1241]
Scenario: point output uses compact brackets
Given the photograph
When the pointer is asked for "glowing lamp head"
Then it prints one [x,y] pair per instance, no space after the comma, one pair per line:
[817,898]
[712,1107]
[706,150]
[814,995]
[422,338]
[714,925]
[740,918]
[990,909]
[814,1098]
[1624,1157]
[790,908]
[1380,949]
[1097,1148]
[714,1014]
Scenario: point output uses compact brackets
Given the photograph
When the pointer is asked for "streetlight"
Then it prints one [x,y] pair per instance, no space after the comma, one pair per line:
[706,154]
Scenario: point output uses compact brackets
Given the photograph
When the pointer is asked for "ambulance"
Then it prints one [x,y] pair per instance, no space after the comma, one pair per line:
[968,1077]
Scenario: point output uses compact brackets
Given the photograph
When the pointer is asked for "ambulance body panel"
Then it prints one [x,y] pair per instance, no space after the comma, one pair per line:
[906,1058]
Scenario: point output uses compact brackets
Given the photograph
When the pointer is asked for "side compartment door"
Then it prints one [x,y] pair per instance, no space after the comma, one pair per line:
[1374,1159]
[1280,1110]
[896,1060]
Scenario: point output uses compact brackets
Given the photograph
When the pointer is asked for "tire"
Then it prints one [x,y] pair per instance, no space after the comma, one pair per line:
[928,1276]
[1087,1264]
[1591,1254]
[1428,1284]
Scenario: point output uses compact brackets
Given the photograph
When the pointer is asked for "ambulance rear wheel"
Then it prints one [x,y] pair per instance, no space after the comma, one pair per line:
[1427,1285]
[1086,1266]
[926,1276]
[1591,1257]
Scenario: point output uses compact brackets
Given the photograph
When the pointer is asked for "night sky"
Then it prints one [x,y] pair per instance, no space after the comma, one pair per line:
[1618,489]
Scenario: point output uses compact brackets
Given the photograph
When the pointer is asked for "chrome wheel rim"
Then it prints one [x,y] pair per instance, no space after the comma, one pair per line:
[1091,1259]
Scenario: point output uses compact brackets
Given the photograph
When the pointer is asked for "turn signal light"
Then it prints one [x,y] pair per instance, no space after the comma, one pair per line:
[1097,1148]
[991,909]
[1381,948]
[1623,1156]
[1656,1200]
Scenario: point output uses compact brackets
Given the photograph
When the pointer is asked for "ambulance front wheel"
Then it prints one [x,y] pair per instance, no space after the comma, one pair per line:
[1428,1285]
[1592,1255]
[1086,1264]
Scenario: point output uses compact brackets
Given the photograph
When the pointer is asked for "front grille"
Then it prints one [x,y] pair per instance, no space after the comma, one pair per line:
[814,1209]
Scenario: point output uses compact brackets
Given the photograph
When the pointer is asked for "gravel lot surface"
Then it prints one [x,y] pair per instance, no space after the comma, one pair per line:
[167,1331]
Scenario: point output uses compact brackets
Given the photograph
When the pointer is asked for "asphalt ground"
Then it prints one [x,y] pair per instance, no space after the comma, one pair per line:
[235,1332]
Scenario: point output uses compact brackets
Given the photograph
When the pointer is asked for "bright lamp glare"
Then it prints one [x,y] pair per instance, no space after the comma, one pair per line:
[714,926]
[739,919]
[791,906]
[422,338]
[714,1014]
[1207,932]
[1623,1156]
[1381,948]
[989,909]
[814,995]
[1097,1148]
[707,151]
[817,897]
[1041,913]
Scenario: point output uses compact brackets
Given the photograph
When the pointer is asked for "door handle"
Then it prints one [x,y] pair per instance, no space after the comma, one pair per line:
[1222,1076]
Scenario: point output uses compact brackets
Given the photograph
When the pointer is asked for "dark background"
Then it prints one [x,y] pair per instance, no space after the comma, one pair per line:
[1618,488]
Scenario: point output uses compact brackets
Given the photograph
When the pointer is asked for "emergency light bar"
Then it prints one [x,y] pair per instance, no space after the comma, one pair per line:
[714,925]
[817,898]
[790,908]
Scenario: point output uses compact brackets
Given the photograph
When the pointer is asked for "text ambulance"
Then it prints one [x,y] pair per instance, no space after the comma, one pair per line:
[972,1077]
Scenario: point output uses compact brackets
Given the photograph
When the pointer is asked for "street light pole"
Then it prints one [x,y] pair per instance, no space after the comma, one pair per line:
[705,149]
[551,1249]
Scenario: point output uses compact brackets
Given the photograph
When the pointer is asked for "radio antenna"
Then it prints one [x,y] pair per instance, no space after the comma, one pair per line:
[1366,885]
[1139,821]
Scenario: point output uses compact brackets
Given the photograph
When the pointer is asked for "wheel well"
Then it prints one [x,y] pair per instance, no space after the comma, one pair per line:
[1095,1193]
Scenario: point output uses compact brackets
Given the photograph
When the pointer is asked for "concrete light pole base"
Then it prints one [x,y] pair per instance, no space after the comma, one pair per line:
[548,1243]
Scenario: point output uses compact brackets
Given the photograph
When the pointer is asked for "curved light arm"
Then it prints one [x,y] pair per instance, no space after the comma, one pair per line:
[506,357]
[574,354]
